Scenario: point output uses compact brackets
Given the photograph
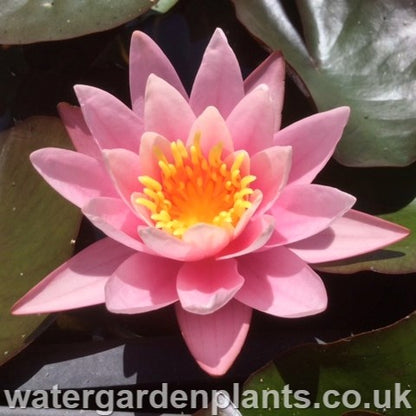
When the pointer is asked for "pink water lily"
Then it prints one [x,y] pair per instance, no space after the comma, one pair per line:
[205,202]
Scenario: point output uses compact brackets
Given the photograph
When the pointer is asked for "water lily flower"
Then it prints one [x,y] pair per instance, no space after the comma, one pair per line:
[206,203]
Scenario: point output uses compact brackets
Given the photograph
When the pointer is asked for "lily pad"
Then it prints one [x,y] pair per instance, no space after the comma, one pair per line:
[398,258]
[38,227]
[361,413]
[368,374]
[355,53]
[23,21]
[164,6]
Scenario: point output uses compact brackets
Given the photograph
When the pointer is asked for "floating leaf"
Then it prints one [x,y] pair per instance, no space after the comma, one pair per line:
[361,413]
[398,258]
[371,372]
[31,21]
[163,6]
[37,228]
[356,53]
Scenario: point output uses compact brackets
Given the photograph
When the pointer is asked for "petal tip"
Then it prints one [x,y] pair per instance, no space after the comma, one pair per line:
[219,33]
[139,37]
[84,92]
[17,310]
[344,111]
[34,156]
[217,371]
[153,77]
[22,307]
[401,232]
[40,156]
[63,105]
[138,34]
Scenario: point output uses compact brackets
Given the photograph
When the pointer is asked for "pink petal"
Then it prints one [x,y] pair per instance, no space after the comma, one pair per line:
[206,239]
[255,235]
[142,283]
[271,168]
[313,140]
[215,340]
[166,111]
[76,176]
[206,286]
[212,129]
[110,121]
[115,219]
[78,282]
[280,283]
[124,168]
[147,58]
[218,82]
[304,210]
[272,73]
[199,242]
[353,234]
[78,130]
[251,123]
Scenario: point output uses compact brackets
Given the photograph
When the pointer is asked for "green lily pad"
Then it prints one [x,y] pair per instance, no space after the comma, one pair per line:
[38,227]
[398,258]
[374,372]
[355,53]
[45,20]
[163,6]
[361,413]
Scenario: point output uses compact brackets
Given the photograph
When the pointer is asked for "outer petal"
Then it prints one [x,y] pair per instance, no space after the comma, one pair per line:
[272,73]
[77,177]
[199,242]
[212,129]
[110,121]
[304,210]
[251,122]
[206,286]
[216,339]
[166,111]
[280,283]
[78,130]
[313,140]
[115,219]
[353,234]
[271,168]
[78,282]
[147,58]
[142,283]
[255,235]
[218,82]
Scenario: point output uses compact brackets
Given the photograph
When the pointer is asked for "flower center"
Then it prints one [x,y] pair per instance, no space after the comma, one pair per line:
[196,189]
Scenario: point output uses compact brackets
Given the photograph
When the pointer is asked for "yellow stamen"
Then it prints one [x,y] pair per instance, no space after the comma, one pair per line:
[196,188]
[151,206]
[151,183]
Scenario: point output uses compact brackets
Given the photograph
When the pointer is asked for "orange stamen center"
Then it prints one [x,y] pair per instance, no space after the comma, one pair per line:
[196,189]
